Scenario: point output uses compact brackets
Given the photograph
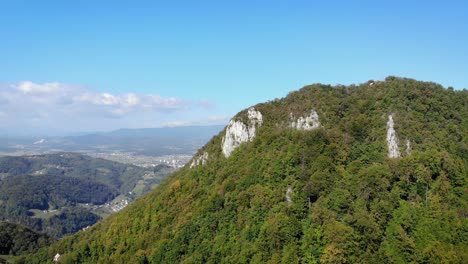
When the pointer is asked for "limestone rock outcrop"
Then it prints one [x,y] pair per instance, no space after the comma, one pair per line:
[309,122]
[392,140]
[200,160]
[237,132]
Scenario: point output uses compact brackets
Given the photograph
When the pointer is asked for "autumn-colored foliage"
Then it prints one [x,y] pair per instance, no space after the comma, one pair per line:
[350,202]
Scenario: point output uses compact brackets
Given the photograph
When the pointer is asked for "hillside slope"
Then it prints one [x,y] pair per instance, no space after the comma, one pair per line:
[370,173]
[16,239]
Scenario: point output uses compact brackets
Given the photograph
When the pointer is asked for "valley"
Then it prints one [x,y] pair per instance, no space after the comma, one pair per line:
[60,193]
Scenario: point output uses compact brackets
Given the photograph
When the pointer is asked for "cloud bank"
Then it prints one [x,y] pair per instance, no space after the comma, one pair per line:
[66,107]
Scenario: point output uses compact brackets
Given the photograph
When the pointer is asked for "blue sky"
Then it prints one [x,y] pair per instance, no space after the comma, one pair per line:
[70,66]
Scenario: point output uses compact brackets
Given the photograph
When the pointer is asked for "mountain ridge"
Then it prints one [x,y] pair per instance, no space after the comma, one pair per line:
[335,193]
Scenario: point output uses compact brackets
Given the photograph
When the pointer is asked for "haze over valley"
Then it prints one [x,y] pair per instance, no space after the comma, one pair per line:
[171,146]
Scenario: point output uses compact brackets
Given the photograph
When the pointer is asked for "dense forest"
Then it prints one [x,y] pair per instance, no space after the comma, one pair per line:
[46,191]
[20,194]
[58,193]
[381,178]
[16,240]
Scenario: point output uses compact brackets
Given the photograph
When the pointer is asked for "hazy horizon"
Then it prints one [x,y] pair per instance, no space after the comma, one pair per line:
[33,134]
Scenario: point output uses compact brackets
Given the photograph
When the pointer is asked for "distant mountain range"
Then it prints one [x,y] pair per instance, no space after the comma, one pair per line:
[145,141]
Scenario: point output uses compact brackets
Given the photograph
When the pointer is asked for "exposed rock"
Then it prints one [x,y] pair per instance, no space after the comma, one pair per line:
[289,191]
[237,132]
[408,147]
[202,159]
[57,258]
[255,119]
[392,140]
[307,123]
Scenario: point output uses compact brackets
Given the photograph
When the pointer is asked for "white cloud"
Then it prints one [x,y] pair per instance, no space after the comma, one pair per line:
[109,99]
[30,87]
[56,105]
[50,94]
[131,100]
[127,102]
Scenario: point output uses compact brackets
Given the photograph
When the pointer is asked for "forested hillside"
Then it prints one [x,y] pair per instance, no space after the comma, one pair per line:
[63,193]
[16,240]
[369,173]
